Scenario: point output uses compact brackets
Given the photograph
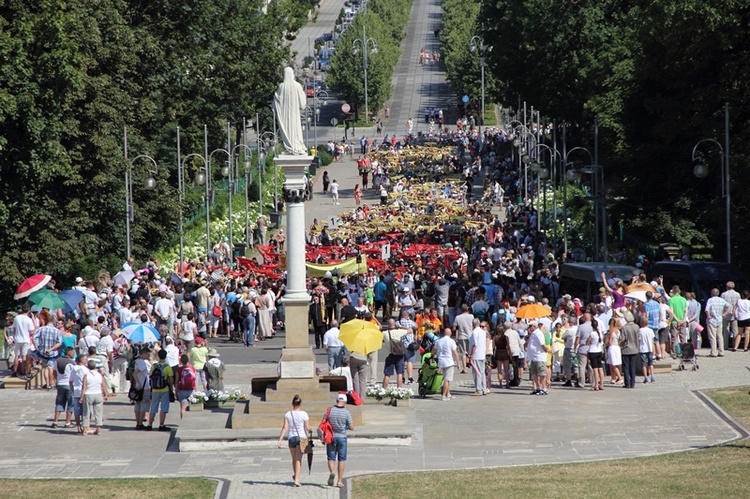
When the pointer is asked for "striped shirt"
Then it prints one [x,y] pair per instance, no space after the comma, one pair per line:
[341,419]
[652,311]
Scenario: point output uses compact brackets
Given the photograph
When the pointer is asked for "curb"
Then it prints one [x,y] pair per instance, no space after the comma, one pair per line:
[742,433]
[222,487]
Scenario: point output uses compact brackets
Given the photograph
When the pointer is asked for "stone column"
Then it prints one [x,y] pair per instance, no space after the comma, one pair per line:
[297,359]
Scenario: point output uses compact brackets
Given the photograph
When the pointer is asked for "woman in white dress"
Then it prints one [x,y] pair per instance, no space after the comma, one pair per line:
[297,425]
[614,354]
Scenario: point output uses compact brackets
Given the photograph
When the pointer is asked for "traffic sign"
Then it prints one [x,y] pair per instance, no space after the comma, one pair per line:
[346,107]
[334,122]
[465,99]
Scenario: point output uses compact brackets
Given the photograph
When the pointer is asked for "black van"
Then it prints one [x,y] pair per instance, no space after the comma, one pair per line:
[583,280]
[699,277]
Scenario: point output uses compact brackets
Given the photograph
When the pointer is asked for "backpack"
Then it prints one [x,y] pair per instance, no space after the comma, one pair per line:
[429,290]
[245,310]
[427,342]
[236,308]
[157,378]
[187,379]
[325,429]
[397,347]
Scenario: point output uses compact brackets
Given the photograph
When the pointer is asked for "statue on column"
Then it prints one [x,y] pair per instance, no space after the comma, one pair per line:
[288,103]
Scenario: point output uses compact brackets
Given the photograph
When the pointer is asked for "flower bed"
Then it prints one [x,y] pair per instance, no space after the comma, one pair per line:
[392,393]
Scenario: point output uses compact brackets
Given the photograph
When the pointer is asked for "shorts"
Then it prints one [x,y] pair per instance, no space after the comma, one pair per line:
[409,357]
[463,346]
[21,349]
[159,399]
[337,448]
[647,359]
[539,368]
[77,407]
[663,335]
[64,399]
[145,404]
[49,362]
[745,323]
[293,442]
[393,362]
[182,395]
[595,360]
[448,373]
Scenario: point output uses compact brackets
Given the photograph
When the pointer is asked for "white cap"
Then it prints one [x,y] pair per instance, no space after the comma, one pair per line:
[79,279]
[341,397]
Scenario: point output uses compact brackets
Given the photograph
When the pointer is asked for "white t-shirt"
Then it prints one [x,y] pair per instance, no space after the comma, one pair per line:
[595,346]
[23,327]
[188,330]
[743,309]
[76,379]
[142,370]
[478,339]
[331,338]
[296,422]
[584,331]
[173,355]
[445,347]
[663,308]
[347,373]
[86,342]
[94,382]
[163,308]
[536,347]
[105,345]
[645,340]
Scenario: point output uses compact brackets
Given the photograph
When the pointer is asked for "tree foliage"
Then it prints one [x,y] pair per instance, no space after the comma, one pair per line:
[384,21]
[657,75]
[73,75]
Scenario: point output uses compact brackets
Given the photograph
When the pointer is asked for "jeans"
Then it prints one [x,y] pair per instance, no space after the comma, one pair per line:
[248,326]
[628,370]
[334,357]
[338,447]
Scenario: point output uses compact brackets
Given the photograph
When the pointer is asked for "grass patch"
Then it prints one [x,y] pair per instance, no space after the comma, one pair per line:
[708,472]
[110,488]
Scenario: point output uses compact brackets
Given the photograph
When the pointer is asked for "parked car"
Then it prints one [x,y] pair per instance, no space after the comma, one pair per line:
[699,276]
[583,279]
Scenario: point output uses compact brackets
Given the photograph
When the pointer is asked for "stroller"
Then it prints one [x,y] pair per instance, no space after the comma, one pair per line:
[688,356]
[430,380]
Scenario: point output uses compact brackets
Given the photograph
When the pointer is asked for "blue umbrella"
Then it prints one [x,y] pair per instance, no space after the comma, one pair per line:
[140,332]
[71,297]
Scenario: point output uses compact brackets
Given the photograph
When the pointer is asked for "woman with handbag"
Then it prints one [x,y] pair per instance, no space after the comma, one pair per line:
[297,424]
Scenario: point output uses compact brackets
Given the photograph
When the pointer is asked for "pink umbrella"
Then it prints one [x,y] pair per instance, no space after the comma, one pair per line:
[34,283]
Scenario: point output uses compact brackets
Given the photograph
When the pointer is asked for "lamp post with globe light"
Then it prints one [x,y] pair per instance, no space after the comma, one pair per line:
[364,43]
[700,170]
[149,184]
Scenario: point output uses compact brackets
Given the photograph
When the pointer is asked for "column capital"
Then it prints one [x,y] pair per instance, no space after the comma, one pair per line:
[296,191]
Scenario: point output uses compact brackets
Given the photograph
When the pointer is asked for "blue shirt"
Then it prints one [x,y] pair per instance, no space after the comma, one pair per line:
[379,291]
[652,311]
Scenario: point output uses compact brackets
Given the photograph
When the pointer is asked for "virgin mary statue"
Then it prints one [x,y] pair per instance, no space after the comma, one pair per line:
[288,103]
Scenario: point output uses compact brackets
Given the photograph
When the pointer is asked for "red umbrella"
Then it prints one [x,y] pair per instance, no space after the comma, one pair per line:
[34,283]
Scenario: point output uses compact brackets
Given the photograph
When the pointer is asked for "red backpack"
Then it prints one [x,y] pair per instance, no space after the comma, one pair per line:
[325,430]
[187,378]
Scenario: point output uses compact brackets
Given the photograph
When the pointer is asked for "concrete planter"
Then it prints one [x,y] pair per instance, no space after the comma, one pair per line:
[195,407]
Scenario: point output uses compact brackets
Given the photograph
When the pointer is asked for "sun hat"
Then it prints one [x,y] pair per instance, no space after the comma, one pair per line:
[213,353]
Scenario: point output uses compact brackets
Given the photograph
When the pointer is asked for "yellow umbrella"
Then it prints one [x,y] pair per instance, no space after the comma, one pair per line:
[361,336]
[533,311]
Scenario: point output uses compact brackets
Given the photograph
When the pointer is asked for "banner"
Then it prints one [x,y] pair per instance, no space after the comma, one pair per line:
[346,267]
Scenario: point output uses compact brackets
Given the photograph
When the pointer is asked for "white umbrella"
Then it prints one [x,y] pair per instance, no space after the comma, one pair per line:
[637,295]
[139,332]
[124,277]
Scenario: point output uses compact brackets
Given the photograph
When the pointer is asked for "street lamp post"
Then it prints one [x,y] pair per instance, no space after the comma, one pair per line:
[363,45]
[316,106]
[149,184]
[543,173]
[200,179]
[477,43]
[700,170]
[267,140]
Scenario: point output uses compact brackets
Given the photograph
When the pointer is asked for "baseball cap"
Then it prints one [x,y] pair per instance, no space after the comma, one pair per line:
[79,279]
[341,397]
[533,323]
